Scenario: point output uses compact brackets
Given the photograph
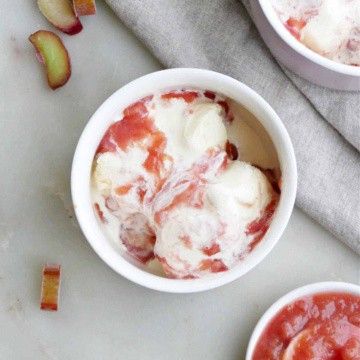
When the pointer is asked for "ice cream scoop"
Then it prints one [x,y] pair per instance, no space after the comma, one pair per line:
[205,128]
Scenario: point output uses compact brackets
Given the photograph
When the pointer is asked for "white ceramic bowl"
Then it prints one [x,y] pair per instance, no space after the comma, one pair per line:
[297,57]
[311,289]
[111,109]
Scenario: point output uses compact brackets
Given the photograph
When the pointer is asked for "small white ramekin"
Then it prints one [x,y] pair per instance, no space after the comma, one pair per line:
[110,111]
[311,289]
[297,57]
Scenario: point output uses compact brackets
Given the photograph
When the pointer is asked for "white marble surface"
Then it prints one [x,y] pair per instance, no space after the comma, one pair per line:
[102,315]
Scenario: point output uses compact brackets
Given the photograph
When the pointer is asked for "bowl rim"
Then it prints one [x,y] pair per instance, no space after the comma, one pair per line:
[300,48]
[85,150]
[310,289]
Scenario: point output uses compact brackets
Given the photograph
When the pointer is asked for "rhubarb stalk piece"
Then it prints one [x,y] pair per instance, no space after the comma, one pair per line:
[84,7]
[52,53]
[50,289]
[60,13]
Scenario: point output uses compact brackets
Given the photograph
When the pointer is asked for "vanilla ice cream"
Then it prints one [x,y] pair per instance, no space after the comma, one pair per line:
[329,27]
[169,192]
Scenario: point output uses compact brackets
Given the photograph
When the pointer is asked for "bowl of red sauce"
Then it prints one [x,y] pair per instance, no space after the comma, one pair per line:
[319,321]
[183,180]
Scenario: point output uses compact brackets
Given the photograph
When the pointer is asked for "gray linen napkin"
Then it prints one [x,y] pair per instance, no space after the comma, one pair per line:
[220,35]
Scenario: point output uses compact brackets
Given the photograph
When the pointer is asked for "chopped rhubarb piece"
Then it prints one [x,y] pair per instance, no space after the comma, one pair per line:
[210,95]
[213,265]
[50,288]
[171,272]
[111,204]
[123,190]
[272,178]
[60,13]
[212,250]
[100,213]
[138,238]
[84,7]
[260,226]
[295,26]
[139,253]
[231,151]
[229,115]
[225,106]
[52,53]
[188,96]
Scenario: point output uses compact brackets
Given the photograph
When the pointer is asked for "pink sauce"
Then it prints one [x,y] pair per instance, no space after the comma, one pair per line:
[319,327]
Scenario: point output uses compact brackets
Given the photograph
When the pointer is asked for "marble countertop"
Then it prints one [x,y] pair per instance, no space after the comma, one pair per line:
[102,315]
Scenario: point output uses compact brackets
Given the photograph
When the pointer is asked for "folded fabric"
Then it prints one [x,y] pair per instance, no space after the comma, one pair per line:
[323,124]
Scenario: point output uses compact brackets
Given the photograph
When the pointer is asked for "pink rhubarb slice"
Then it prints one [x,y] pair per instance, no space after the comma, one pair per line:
[60,13]
[84,7]
[52,53]
[50,287]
